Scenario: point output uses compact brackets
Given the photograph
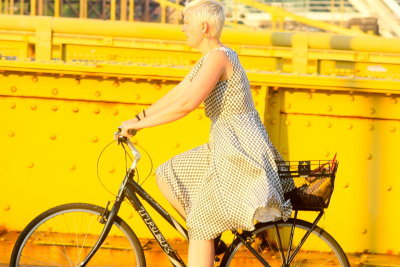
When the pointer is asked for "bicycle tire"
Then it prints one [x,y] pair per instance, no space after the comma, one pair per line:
[319,249]
[63,235]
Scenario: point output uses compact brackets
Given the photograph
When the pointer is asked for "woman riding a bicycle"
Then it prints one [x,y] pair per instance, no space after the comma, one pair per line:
[231,180]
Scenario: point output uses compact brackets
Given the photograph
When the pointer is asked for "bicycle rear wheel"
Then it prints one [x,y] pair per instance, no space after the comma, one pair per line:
[319,249]
[64,235]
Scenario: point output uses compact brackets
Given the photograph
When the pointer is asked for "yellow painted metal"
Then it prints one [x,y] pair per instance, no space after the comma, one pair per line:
[56,8]
[131,10]
[11,7]
[40,7]
[123,9]
[83,9]
[113,10]
[6,7]
[21,7]
[33,10]
[317,94]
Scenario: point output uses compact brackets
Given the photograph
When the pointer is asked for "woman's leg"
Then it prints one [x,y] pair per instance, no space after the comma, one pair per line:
[201,253]
[164,188]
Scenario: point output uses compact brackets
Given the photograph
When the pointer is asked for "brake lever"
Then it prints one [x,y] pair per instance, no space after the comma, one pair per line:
[118,137]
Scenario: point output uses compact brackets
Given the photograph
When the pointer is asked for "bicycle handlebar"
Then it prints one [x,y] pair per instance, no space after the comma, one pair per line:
[125,140]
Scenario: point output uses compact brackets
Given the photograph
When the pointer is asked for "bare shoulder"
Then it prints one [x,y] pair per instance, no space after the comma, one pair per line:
[216,58]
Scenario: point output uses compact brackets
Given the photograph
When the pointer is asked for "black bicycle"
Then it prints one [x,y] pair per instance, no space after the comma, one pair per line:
[80,234]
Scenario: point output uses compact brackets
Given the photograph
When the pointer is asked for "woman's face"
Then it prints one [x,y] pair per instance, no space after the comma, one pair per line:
[192,30]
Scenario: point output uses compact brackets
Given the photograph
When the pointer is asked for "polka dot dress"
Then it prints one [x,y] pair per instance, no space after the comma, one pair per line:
[231,180]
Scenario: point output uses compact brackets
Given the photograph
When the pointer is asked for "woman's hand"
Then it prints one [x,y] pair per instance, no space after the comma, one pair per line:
[127,125]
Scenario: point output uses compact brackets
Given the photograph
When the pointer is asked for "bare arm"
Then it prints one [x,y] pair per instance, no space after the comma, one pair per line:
[184,98]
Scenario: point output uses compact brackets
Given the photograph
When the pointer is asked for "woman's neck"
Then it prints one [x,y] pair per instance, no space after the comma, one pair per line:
[209,44]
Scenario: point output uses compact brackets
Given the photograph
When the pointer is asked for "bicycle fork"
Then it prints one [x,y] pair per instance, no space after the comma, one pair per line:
[110,220]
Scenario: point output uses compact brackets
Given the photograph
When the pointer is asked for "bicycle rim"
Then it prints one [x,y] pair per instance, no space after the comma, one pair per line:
[319,249]
[64,235]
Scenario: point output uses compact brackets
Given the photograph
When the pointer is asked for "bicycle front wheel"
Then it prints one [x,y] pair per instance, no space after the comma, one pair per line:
[271,242]
[64,235]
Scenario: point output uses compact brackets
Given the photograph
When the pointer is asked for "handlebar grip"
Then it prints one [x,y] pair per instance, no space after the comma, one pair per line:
[132,132]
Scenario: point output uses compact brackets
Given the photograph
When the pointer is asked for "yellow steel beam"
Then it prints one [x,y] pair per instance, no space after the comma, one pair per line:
[123,9]
[131,10]
[33,8]
[113,10]
[173,32]
[56,8]
[21,7]
[273,79]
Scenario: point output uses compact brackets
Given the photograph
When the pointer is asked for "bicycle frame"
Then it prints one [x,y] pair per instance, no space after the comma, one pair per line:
[130,189]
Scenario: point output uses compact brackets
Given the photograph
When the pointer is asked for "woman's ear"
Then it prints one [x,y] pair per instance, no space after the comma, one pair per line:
[205,28]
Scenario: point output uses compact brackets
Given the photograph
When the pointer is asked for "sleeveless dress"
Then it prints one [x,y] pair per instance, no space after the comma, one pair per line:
[231,180]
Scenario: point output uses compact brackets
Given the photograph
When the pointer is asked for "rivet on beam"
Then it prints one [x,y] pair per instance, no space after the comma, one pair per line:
[364,231]
[372,111]
[72,167]
[75,110]
[54,91]
[53,137]
[95,139]
[13,89]
[13,105]
[97,93]
[96,111]
[157,86]
[54,108]
[30,165]
[77,81]
[115,112]
[33,107]
[11,133]
[34,79]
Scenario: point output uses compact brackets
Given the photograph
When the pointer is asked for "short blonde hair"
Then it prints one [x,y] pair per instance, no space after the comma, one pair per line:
[210,11]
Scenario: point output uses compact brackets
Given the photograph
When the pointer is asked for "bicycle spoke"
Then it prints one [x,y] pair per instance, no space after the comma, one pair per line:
[64,237]
[319,248]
